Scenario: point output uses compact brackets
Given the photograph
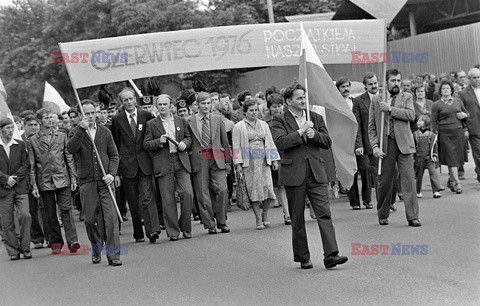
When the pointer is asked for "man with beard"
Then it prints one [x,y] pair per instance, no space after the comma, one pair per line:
[398,147]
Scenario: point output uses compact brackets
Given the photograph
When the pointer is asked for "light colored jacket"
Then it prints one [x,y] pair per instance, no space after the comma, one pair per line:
[241,147]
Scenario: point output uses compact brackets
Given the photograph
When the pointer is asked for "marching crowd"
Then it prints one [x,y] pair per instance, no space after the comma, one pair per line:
[194,150]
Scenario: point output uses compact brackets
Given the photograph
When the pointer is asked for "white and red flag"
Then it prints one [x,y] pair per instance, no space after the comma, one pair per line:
[341,123]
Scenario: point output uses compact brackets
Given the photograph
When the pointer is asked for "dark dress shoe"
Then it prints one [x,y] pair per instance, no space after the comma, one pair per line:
[74,247]
[393,207]
[96,259]
[287,220]
[383,221]
[414,223]
[306,264]
[368,205]
[140,240]
[212,231]
[174,238]
[196,218]
[332,261]
[153,237]
[27,255]
[187,235]
[15,257]
[224,229]
[356,207]
[115,262]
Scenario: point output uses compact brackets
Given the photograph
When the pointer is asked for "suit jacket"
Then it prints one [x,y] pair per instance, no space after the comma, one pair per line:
[361,109]
[294,149]
[403,113]
[220,146]
[80,144]
[17,165]
[469,99]
[51,164]
[130,148]
[159,151]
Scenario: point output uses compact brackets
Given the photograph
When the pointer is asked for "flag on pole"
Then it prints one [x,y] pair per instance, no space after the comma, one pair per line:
[341,123]
[53,101]
[5,111]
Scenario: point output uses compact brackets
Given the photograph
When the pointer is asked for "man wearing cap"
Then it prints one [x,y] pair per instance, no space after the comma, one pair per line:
[182,108]
[146,103]
[167,138]
[210,160]
[136,169]
[14,192]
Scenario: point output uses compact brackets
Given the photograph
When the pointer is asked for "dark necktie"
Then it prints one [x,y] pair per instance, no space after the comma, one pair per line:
[133,125]
[205,132]
[391,132]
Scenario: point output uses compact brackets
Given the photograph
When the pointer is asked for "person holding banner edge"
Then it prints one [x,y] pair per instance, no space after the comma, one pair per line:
[398,149]
[101,220]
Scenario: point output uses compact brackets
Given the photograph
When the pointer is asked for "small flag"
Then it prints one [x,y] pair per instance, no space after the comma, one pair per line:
[341,123]
[5,111]
[53,101]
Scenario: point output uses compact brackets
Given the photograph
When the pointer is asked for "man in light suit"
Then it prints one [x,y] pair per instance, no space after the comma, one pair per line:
[167,138]
[470,97]
[210,160]
[398,147]
[135,169]
[366,162]
[303,173]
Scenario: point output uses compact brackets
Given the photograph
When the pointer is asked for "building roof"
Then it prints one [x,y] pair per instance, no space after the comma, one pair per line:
[370,9]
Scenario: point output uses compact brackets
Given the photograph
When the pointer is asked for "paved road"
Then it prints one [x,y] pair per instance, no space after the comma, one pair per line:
[253,267]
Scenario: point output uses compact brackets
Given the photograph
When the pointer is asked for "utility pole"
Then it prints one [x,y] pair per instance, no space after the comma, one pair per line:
[270,11]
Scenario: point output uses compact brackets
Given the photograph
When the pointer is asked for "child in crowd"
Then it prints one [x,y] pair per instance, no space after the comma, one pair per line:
[426,156]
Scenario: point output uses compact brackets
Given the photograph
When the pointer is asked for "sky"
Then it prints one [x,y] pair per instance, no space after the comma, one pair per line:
[5,2]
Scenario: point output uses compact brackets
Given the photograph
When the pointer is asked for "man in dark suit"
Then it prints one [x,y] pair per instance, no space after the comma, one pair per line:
[398,147]
[367,163]
[14,192]
[101,221]
[135,170]
[303,173]
[470,97]
[168,139]
[210,161]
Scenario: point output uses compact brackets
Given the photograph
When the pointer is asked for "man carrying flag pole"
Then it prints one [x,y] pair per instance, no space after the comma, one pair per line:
[299,134]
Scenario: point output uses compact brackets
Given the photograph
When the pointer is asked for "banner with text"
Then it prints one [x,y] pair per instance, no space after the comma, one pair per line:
[108,60]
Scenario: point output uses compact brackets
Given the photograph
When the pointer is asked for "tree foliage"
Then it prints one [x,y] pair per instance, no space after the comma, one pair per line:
[32,29]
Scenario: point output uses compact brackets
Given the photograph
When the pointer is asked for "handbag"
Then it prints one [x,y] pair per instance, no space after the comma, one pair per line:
[243,201]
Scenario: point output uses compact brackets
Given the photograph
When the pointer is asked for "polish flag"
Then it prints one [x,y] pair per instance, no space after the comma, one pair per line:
[53,101]
[341,123]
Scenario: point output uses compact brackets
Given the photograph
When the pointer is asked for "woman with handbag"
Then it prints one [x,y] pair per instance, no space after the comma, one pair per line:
[448,122]
[254,152]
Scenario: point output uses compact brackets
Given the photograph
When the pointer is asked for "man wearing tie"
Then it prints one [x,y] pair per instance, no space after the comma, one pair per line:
[210,160]
[367,163]
[135,169]
[398,147]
